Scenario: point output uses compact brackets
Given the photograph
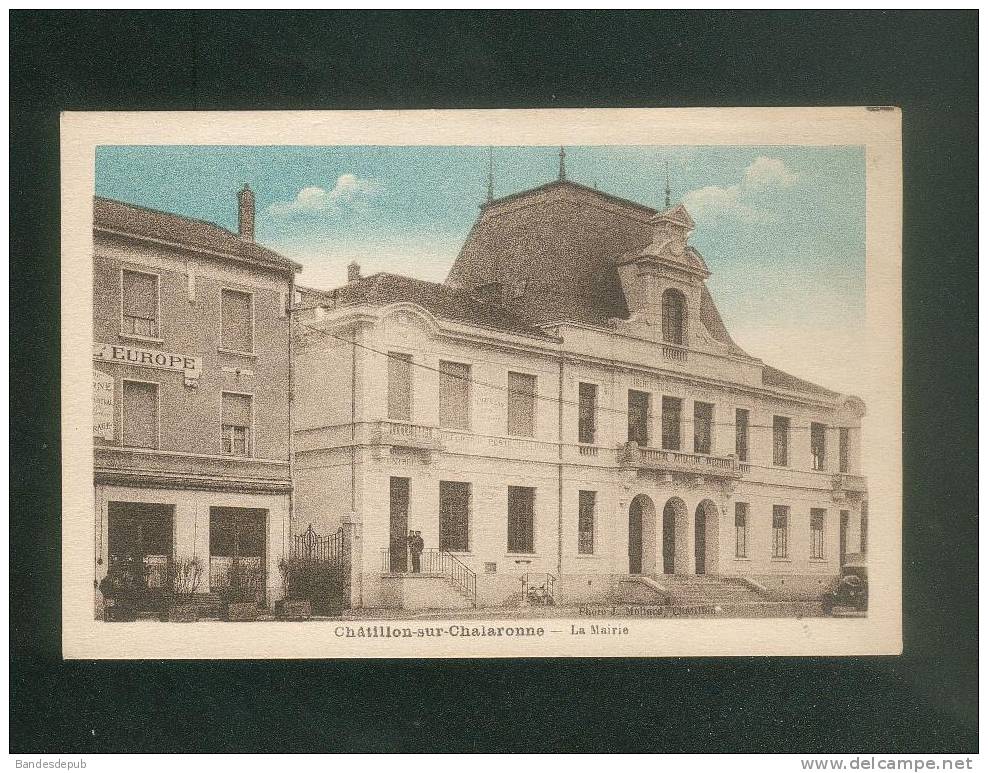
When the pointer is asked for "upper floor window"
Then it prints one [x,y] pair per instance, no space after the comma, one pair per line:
[703,419]
[843,451]
[740,529]
[399,386]
[741,434]
[672,409]
[521,519]
[638,410]
[454,395]
[673,317]
[140,414]
[139,304]
[521,404]
[818,445]
[588,413]
[780,441]
[780,531]
[454,516]
[817,541]
[236,423]
[238,321]
[586,522]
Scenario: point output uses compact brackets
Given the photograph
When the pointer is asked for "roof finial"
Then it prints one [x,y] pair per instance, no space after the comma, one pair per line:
[490,173]
[562,163]
[668,201]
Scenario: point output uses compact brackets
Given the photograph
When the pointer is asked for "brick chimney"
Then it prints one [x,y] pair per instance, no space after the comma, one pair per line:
[246,200]
[353,271]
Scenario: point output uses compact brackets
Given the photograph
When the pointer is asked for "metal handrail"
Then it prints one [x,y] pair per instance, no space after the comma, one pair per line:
[541,594]
[441,562]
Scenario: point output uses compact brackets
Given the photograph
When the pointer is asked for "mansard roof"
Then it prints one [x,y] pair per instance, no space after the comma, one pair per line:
[142,222]
[443,302]
[563,243]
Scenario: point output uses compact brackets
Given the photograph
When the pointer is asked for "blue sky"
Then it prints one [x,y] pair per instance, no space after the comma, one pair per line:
[782,228]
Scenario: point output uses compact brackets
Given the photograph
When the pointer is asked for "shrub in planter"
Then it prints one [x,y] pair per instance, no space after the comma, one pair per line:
[185,577]
[122,589]
[240,597]
[297,604]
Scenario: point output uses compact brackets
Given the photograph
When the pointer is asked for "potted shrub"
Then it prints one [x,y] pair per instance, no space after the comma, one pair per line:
[122,590]
[297,604]
[185,578]
[240,603]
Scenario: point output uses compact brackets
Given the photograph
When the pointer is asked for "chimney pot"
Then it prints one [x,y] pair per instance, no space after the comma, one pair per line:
[246,213]
[353,271]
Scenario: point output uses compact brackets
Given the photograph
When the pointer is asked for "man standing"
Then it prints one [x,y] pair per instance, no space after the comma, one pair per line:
[416,544]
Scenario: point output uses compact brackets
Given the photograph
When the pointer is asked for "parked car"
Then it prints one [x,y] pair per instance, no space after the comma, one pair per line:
[851,592]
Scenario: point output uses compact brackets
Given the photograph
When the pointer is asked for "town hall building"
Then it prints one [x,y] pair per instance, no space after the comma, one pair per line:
[566,418]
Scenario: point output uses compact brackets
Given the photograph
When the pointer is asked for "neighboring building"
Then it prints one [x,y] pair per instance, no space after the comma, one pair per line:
[567,411]
[192,381]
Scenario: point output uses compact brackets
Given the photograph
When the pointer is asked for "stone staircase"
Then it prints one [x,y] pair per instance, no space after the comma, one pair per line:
[706,590]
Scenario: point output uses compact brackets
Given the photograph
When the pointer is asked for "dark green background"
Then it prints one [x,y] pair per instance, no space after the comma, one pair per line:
[925,701]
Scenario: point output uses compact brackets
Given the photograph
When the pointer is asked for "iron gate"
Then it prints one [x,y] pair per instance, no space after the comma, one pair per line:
[321,570]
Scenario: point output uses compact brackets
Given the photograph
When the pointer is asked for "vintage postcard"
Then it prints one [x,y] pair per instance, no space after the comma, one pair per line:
[481,383]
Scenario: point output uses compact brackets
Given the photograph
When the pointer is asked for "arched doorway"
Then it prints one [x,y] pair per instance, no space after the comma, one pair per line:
[641,536]
[706,538]
[674,537]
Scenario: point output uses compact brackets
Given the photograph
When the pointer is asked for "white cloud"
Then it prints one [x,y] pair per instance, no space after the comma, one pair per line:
[750,200]
[348,191]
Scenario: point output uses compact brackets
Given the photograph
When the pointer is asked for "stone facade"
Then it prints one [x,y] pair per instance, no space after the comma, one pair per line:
[207,438]
[662,499]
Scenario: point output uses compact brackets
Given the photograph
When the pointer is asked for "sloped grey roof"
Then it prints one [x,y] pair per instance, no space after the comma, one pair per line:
[439,300]
[113,215]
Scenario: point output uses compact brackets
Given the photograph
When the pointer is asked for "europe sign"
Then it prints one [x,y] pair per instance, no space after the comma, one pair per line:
[150,358]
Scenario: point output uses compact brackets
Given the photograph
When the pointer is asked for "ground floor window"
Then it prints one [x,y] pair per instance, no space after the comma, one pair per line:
[817,518]
[140,536]
[780,531]
[521,519]
[454,516]
[740,529]
[237,540]
[586,522]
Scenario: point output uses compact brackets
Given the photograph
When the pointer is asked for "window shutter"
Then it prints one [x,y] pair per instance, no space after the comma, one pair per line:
[140,295]
[238,321]
[140,414]
[236,409]
[399,386]
[521,404]
[454,395]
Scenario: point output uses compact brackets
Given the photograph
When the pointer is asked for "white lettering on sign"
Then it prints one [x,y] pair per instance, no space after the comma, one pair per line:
[150,358]
[102,405]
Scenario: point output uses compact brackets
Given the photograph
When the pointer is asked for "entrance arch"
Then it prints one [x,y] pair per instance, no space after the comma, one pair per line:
[641,535]
[675,538]
[706,538]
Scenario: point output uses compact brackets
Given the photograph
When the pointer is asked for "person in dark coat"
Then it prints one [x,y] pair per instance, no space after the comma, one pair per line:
[416,545]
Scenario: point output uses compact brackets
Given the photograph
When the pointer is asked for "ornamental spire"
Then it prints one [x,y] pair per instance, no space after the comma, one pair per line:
[668,200]
[562,163]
